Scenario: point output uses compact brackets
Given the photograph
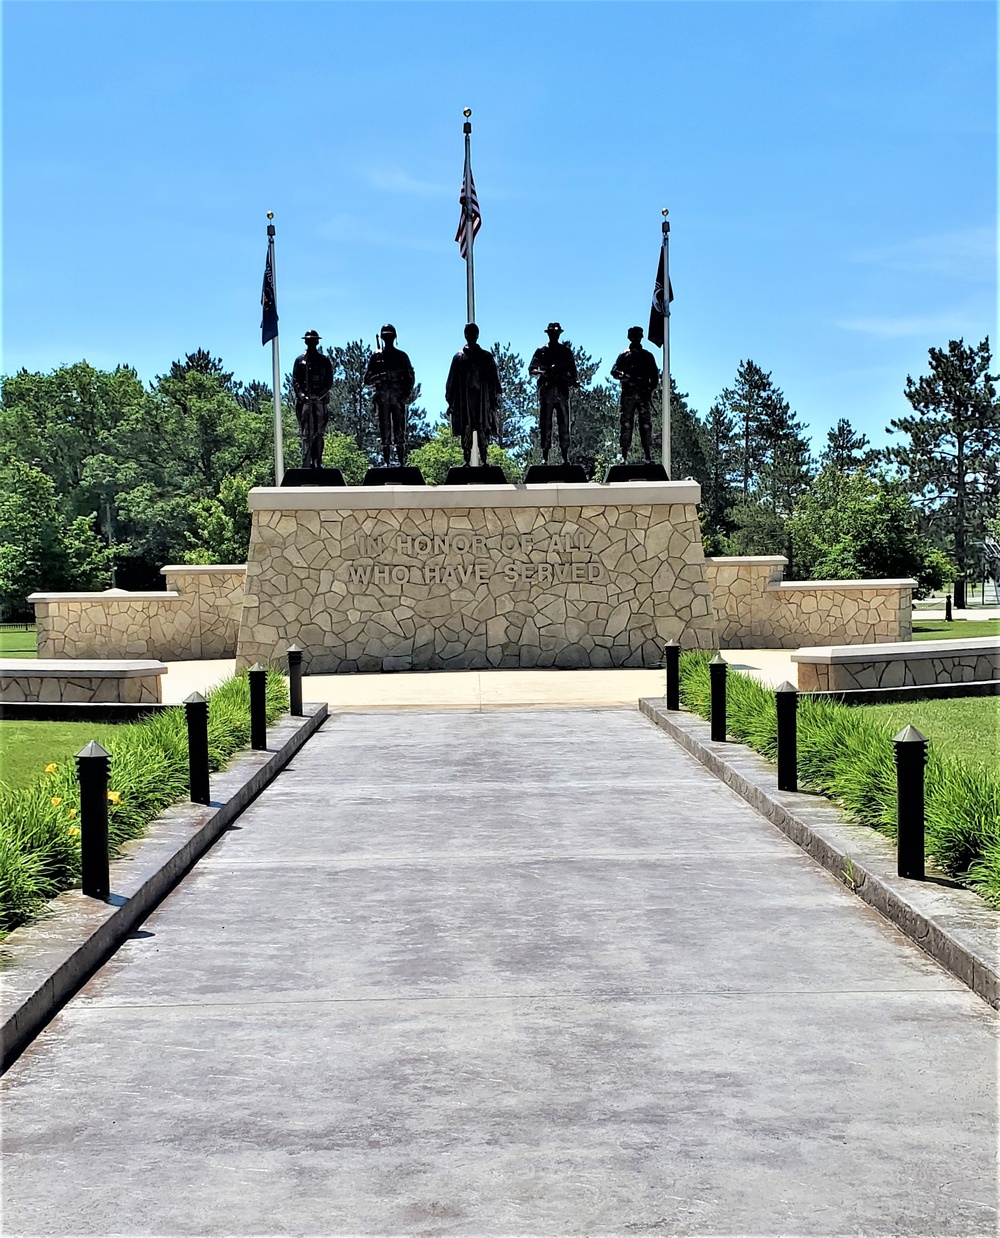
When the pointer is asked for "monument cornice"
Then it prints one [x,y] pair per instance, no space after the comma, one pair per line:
[373,498]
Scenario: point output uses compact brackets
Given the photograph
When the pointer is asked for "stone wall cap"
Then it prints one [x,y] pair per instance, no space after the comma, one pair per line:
[107,668]
[204,567]
[901,583]
[581,494]
[119,596]
[772,560]
[904,650]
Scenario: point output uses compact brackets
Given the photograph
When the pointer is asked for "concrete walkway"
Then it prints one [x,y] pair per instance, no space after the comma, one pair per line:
[478,689]
[507,972]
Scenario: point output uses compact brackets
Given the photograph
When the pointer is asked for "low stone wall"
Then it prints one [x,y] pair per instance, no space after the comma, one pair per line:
[81,681]
[197,617]
[833,669]
[756,609]
[455,577]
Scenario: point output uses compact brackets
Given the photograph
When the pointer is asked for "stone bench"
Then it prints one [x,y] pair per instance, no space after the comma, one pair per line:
[81,680]
[847,667]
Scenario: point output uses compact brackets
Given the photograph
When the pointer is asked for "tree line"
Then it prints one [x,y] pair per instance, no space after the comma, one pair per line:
[105,479]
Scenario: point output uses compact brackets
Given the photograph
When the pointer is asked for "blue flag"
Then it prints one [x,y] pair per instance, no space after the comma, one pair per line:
[269,322]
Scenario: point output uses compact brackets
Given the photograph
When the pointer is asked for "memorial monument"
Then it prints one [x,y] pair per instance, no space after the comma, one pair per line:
[312,379]
[472,393]
[553,366]
[639,375]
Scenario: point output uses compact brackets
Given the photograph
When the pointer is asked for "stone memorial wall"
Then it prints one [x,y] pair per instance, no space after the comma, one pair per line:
[452,577]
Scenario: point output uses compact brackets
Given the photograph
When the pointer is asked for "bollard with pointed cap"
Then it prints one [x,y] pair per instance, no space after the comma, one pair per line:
[258,706]
[786,704]
[92,763]
[196,710]
[910,748]
[717,677]
[295,681]
[672,662]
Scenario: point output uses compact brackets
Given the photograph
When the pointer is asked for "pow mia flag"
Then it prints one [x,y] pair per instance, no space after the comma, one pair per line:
[269,321]
[659,309]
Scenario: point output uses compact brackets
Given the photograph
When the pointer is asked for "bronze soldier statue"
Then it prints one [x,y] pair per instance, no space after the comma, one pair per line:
[638,374]
[390,373]
[312,378]
[555,369]
[473,393]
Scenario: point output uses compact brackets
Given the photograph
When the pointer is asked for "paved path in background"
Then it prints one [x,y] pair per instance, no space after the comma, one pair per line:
[507,972]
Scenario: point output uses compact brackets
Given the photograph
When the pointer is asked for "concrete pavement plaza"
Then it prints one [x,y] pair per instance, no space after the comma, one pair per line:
[507,972]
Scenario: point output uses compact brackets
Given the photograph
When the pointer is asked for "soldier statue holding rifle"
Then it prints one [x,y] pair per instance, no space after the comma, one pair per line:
[391,374]
[638,374]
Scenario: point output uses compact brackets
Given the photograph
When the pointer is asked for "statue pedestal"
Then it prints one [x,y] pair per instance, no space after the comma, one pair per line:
[454,577]
[478,475]
[313,477]
[643,471]
[394,475]
[553,474]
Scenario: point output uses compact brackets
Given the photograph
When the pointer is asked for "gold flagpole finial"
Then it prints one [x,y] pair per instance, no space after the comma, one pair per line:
[664,212]
[466,112]
[270,214]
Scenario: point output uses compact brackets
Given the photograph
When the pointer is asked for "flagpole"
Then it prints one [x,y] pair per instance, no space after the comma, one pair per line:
[470,270]
[279,459]
[666,345]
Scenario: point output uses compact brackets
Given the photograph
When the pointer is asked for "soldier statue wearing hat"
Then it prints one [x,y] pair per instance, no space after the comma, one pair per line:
[554,367]
[637,371]
[390,373]
[312,378]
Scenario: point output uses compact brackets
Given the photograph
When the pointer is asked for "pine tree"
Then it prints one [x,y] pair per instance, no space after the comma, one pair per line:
[718,490]
[845,450]
[952,460]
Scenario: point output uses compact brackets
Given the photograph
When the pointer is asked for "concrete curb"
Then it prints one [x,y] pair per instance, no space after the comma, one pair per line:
[44,963]
[953,925]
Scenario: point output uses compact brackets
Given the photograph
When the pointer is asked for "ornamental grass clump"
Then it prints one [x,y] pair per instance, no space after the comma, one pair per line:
[847,755]
[39,824]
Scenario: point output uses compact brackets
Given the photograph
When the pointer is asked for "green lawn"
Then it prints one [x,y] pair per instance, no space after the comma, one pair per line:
[27,747]
[964,727]
[937,629]
[16,643]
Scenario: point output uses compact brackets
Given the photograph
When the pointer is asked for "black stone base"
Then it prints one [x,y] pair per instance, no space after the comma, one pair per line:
[484,475]
[313,477]
[394,475]
[637,472]
[542,474]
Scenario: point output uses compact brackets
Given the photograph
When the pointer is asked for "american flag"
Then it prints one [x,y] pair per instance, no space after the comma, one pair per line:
[468,193]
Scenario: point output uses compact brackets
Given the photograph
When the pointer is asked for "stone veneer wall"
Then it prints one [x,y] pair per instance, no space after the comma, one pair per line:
[756,609]
[400,578]
[928,662]
[40,681]
[197,617]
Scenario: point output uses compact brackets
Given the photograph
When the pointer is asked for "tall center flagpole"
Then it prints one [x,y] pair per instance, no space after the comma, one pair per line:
[279,455]
[470,270]
[666,347]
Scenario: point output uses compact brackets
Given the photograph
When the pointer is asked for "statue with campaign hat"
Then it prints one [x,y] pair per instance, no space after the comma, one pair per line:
[312,378]
[554,367]
[391,375]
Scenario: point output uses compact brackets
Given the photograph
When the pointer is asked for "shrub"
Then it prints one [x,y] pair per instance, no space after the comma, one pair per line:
[39,824]
[847,755]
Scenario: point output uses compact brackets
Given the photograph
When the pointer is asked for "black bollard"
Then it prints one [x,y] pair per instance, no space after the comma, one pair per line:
[258,706]
[295,681]
[672,661]
[947,609]
[911,757]
[786,703]
[717,673]
[92,770]
[196,709]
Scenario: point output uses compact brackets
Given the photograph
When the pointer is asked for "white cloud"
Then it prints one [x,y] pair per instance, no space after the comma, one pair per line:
[970,255]
[888,327]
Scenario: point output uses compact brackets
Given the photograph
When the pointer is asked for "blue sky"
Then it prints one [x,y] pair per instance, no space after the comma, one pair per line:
[830,170]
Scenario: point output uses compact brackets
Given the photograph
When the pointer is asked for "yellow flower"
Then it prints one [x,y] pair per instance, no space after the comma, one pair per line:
[115,797]
[56,801]
[72,813]
[74,832]
[51,769]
